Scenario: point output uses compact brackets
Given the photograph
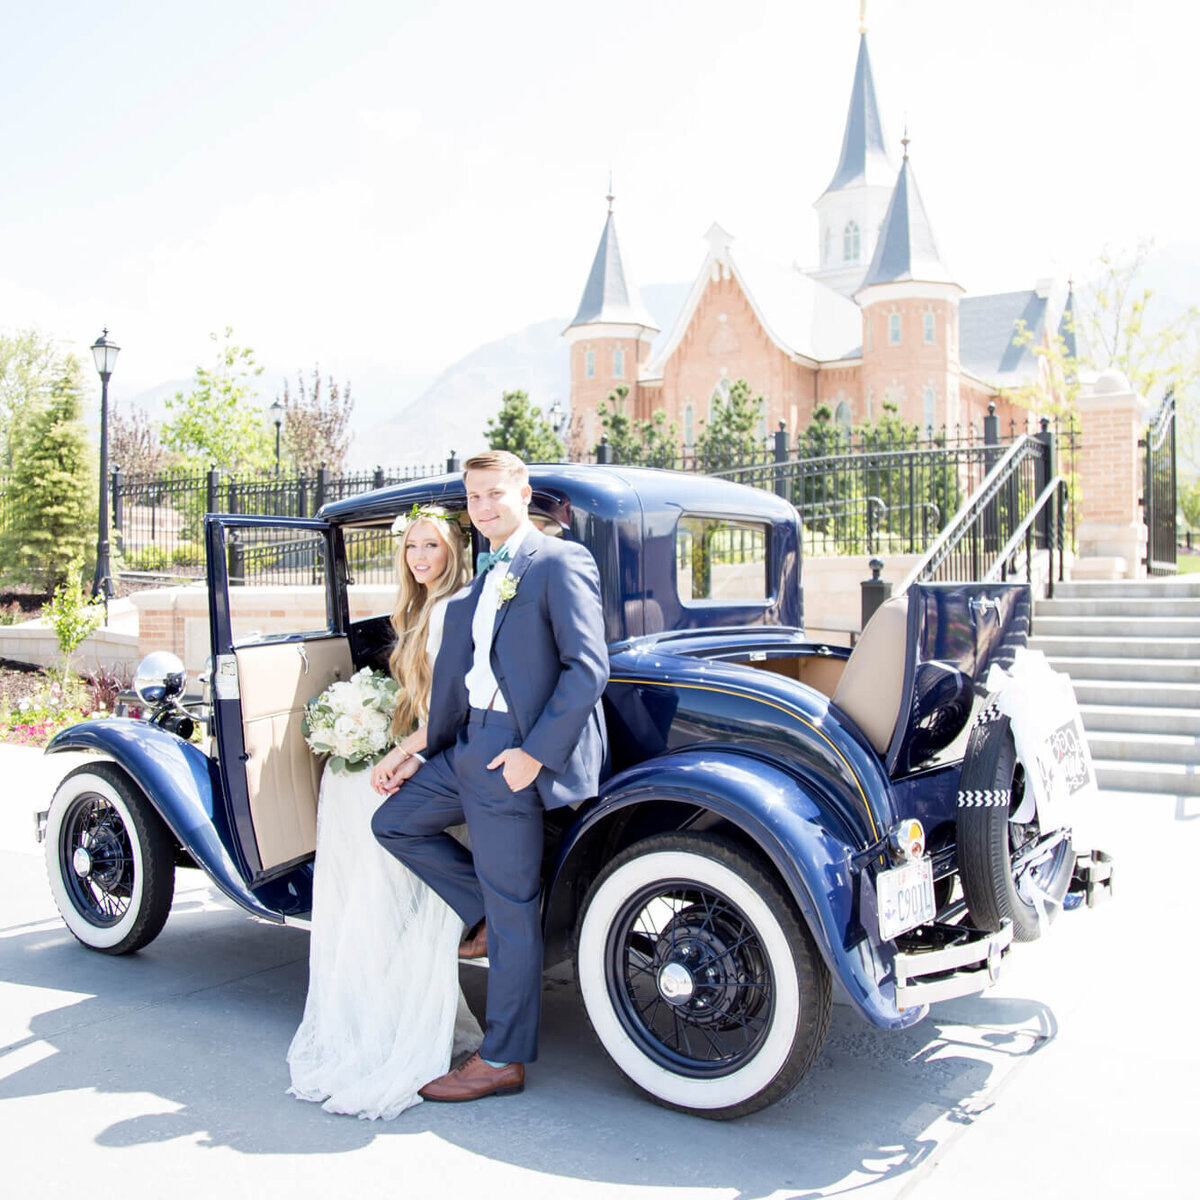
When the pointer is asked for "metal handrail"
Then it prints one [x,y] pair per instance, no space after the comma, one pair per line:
[966,517]
[1023,533]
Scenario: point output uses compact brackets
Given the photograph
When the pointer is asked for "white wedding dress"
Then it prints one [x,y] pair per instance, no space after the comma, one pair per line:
[384,1013]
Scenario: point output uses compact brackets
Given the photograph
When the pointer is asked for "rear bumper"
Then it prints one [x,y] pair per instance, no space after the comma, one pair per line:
[1092,879]
[924,976]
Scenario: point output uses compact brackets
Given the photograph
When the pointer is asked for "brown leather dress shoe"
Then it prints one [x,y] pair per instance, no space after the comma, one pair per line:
[475,944]
[474,1080]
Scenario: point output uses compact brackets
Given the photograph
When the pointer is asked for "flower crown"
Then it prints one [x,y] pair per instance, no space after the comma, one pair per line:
[420,512]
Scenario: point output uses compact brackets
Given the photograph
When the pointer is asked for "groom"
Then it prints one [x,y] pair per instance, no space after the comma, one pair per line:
[515,727]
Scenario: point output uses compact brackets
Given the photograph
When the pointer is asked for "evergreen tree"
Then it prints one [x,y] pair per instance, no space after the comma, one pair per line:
[52,498]
[652,443]
[520,427]
[732,437]
[30,362]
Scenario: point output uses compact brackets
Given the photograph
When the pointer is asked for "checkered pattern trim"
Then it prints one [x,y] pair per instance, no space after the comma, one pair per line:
[984,799]
[988,714]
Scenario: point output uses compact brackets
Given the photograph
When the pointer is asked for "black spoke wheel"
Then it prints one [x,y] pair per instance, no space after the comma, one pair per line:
[699,977]
[110,860]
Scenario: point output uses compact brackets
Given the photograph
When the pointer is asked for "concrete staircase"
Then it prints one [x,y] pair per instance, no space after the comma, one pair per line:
[1132,650]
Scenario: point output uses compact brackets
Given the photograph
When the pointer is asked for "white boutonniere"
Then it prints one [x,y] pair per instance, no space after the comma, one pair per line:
[507,589]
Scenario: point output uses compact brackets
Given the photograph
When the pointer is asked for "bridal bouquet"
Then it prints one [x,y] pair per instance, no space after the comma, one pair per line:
[351,720]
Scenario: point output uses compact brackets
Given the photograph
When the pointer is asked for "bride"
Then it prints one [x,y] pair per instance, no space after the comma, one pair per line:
[384,1012]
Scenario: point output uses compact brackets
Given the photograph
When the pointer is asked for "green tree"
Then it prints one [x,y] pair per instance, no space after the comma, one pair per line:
[1120,325]
[520,427]
[219,421]
[652,443]
[29,365]
[732,436]
[53,502]
[316,426]
[1189,505]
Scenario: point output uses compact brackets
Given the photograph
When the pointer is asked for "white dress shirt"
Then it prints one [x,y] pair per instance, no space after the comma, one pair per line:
[482,689]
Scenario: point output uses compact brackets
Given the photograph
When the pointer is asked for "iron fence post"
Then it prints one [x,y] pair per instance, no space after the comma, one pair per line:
[302,495]
[378,478]
[118,508]
[236,560]
[322,487]
[213,483]
[604,452]
[453,463]
[1043,473]
[781,455]
[874,591]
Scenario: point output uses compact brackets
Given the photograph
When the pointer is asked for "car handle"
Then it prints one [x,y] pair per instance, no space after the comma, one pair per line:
[303,656]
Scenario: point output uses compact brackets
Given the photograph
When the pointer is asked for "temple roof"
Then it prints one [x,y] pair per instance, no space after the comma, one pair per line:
[906,248]
[609,296]
[864,157]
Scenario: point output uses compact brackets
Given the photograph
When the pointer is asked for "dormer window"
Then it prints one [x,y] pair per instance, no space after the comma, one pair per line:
[589,365]
[618,363]
[851,242]
[930,329]
[893,329]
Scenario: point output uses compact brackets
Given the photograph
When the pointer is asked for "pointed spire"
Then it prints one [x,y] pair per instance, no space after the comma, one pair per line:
[609,296]
[906,248]
[1066,326]
[864,157]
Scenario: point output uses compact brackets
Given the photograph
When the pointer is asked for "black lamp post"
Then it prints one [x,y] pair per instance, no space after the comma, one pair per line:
[276,411]
[105,353]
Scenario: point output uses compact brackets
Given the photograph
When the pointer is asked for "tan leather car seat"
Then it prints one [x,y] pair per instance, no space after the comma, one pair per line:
[871,687]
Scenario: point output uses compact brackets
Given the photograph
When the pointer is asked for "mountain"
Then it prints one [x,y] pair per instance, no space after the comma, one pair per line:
[452,413]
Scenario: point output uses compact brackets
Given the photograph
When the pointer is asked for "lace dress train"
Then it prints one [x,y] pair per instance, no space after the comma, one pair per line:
[385,1013]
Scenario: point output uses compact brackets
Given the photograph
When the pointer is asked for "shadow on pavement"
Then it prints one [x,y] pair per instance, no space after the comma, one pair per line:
[196,1027]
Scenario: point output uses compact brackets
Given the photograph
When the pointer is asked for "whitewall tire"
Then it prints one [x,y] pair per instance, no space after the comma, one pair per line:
[109,859]
[699,976]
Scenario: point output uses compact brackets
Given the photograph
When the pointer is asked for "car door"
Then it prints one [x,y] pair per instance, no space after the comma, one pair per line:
[277,621]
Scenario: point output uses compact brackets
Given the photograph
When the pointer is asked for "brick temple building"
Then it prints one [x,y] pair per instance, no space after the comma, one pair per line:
[880,319]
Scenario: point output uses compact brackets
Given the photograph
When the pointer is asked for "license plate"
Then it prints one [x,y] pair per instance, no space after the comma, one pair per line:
[905,897]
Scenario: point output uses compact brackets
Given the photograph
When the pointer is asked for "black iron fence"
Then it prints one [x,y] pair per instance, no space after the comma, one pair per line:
[158,519]
[876,492]
[891,492]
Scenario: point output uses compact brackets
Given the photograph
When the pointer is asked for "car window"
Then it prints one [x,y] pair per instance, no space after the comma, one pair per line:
[277,583]
[720,559]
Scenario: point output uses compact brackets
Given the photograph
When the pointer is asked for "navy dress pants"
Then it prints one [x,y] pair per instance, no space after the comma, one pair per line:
[498,878]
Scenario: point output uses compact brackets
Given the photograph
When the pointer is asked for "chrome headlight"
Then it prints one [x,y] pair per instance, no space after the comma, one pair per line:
[159,676]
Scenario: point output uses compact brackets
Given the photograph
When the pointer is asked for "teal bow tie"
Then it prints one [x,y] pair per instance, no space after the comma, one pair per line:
[489,558]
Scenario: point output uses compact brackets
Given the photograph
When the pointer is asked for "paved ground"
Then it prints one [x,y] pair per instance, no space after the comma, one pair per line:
[163,1074]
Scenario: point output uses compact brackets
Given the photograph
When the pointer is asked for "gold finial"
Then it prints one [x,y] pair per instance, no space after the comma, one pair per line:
[862,16]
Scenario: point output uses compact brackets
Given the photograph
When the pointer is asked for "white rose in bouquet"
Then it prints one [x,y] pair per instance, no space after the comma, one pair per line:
[351,720]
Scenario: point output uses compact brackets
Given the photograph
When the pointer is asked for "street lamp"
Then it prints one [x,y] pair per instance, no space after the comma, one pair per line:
[276,411]
[105,353]
[555,413]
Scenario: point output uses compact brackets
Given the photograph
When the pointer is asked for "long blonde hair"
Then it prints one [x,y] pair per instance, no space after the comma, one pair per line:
[408,661]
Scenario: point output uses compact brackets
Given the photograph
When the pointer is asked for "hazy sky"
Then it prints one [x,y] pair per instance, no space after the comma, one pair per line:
[370,183]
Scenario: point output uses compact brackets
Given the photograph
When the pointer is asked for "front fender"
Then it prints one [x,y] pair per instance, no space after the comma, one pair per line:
[790,826]
[177,778]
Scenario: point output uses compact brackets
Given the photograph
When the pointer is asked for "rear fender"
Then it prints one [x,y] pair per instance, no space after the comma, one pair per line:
[786,823]
[178,780]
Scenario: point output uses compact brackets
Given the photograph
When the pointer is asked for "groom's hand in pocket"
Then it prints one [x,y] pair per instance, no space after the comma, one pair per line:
[520,769]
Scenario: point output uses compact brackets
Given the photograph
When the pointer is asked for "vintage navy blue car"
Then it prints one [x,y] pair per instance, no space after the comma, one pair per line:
[777,811]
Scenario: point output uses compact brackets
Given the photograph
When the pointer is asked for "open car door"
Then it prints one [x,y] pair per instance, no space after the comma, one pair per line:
[278,632]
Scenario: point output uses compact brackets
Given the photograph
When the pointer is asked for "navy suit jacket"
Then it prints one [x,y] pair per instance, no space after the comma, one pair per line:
[550,659]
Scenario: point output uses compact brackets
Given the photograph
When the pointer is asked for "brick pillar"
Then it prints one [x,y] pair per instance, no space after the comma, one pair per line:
[1110,530]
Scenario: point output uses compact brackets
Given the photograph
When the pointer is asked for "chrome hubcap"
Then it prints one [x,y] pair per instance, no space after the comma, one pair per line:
[675,983]
[81,861]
